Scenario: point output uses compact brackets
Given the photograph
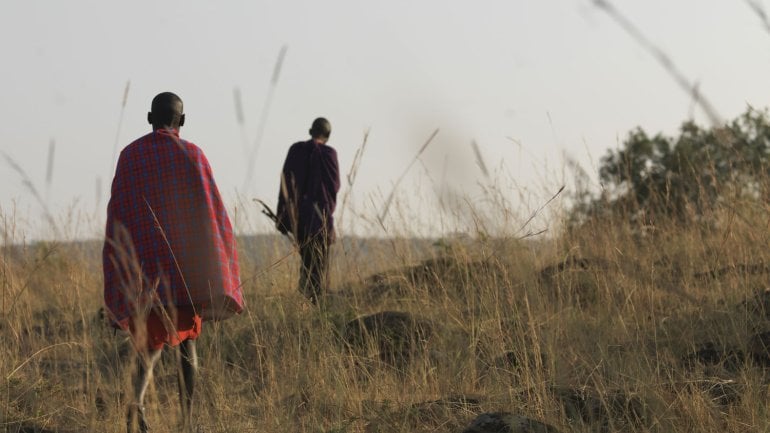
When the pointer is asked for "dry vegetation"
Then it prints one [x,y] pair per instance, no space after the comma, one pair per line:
[598,329]
[607,327]
[601,328]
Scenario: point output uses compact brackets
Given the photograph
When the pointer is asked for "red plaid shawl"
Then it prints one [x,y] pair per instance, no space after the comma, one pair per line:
[169,240]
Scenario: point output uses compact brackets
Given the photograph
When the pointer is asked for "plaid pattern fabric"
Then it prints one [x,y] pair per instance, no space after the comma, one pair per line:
[168,240]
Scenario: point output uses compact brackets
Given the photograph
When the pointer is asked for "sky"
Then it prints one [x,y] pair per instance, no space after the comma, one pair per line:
[539,86]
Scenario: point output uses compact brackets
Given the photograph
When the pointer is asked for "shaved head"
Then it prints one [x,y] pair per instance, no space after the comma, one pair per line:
[321,128]
[167,111]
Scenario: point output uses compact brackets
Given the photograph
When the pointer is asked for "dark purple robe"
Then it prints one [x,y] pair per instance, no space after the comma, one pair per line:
[309,183]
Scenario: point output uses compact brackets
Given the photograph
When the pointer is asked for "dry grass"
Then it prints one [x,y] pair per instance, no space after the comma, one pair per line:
[604,328]
[594,330]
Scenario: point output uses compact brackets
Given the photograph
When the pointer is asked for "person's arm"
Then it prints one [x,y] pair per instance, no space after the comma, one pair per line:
[292,176]
[280,209]
[331,178]
[226,233]
[212,192]
[115,255]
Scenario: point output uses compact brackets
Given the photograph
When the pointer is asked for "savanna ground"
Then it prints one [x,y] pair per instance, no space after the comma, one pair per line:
[617,324]
[603,328]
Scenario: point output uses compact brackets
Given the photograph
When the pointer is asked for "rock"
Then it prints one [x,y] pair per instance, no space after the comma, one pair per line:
[51,324]
[504,422]
[445,414]
[711,354]
[737,269]
[759,303]
[434,275]
[571,264]
[433,270]
[397,336]
[30,428]
[575,280]
[509,364]
[453,404]
[605,409]
[512,360]
[759,348]
[101,404]
[719,392]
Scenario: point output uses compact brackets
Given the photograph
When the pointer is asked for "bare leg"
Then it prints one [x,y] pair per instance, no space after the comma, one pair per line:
[145,364]
[188,362]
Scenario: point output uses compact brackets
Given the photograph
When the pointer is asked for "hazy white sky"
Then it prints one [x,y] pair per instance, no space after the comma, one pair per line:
[559,76]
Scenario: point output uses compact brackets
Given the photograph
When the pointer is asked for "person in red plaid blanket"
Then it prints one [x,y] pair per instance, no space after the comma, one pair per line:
[169,254]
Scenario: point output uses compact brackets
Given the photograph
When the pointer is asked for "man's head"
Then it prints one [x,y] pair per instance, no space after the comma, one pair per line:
[167,111]
[321,129]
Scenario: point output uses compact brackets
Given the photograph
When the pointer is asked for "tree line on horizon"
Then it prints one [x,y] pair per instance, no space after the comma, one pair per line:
[650,178]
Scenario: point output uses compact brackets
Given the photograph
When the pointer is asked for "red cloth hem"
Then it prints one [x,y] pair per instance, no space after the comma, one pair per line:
[161,330]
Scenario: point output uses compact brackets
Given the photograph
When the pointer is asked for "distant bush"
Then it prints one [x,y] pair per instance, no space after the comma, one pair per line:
[682,178]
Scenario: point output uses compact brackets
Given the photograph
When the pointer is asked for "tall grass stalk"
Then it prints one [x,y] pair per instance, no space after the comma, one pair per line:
[114,159]
[389,200]
[252,155]
[664,59]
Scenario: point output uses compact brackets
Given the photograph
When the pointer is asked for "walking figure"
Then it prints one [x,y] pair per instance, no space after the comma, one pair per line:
[169,255]
[310,181]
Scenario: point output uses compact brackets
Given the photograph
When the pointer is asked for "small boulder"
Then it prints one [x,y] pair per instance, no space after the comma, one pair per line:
[397,336]
[720,392]
[449,405]
[711,354]
[504,422]
[759,303]
[602,409]
[513,360]
[574,280]
[445,414]
[434,275]
[759,348]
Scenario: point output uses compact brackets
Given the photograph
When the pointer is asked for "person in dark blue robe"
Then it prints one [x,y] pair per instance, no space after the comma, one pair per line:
[310,181]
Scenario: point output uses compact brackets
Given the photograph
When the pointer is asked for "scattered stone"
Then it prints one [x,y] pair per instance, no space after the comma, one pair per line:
[434,274]
[711,354]
[720,392]
[505,422]
[512,360]
[365,369]
[604,409]
[737,269]
[50,324]
[432,270]
[758,304]
[101,404]
[456,404]
[759,348]
[445,414]
[426,272]
[397,336]
[571,264]
[574,280]
[30,428]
